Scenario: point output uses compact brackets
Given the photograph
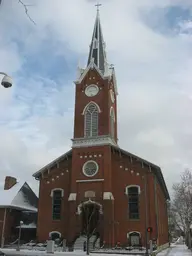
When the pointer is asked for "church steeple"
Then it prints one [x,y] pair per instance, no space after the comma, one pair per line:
[97,52]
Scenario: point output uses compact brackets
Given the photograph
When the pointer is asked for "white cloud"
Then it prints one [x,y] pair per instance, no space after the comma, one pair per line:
[153,74]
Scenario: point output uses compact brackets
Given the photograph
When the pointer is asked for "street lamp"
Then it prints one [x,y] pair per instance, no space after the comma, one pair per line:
[6,81]
[19,238]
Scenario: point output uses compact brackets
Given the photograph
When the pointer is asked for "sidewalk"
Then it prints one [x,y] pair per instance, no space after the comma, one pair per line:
[176,250]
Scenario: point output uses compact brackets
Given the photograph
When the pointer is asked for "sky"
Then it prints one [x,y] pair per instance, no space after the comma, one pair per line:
[150,44]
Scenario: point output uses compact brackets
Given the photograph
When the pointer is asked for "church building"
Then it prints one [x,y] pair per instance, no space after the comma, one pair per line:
[122,194]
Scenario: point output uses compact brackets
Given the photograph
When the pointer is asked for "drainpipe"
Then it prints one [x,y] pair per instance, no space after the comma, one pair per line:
[156,208]
[3,229]
[146,215]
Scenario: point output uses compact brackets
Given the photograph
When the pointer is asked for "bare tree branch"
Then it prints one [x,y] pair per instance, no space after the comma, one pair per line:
[25,6]
[182,204]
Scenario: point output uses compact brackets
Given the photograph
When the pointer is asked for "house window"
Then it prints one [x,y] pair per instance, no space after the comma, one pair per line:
[112,118]
[133,202]
[91,120]
[57,202]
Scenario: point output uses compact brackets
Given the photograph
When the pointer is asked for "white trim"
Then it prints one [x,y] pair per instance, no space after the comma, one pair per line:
[112,111]
[115,81]
[87,90]
[129,186]
[97,168]
[54,232]
[108,196]
[129,233]
[93,141]
[90,66]
[72,197]
[91,102]
[56,189]
[89,193]
[79,211]
[92,180]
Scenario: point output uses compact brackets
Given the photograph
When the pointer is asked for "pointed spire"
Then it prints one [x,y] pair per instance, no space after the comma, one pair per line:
[97,52]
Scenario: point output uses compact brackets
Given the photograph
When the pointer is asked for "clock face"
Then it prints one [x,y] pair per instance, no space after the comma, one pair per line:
[112,96]
[91,90]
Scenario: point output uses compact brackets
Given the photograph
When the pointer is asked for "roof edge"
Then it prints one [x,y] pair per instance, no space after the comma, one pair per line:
[38,173]
[159,175]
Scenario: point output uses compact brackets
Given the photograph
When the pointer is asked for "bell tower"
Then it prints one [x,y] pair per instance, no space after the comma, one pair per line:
[95,120]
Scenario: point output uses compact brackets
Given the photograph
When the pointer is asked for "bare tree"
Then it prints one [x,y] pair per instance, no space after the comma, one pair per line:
[25,6]
[90,220]
[181,207]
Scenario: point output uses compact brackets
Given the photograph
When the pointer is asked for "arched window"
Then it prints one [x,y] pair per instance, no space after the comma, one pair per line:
[54,235]
[112,121]
[57,195]
[134,238]
[91,120]
[133,192]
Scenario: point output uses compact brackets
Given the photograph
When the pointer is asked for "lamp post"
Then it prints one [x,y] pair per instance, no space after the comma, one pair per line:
[6,81]
[19,238]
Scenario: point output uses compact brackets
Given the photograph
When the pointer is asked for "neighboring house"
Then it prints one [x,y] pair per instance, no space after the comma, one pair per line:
[18,203]
[128,192]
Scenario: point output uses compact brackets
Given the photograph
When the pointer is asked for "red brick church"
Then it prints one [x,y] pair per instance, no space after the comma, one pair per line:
[129,193]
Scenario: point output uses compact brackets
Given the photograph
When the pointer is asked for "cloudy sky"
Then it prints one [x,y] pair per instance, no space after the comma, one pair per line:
[150,44]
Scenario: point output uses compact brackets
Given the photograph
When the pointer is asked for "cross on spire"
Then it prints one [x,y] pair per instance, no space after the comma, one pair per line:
[98,5]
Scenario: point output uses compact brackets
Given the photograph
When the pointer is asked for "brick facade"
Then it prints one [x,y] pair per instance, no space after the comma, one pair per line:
[117,171]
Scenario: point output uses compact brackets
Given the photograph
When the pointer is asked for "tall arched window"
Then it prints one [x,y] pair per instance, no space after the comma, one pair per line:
[56,195]
[133,201]
[112,121]
[91,120]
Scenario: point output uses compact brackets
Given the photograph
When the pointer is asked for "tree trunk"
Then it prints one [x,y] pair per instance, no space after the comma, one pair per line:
[87,245]
[189,239]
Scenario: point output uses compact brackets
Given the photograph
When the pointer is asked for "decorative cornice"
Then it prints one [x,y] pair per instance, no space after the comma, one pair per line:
[91,180]
[94,141]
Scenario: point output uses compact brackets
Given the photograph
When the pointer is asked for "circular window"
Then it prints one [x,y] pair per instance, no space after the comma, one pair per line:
[90,168]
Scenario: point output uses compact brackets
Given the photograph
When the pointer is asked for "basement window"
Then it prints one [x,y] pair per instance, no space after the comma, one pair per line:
[57,200]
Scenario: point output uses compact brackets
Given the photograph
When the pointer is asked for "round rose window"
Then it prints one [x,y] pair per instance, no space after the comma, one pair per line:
[90,168]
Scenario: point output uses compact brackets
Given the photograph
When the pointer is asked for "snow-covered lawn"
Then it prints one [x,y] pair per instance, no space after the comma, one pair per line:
[43,253]
[40,253]
[176,250]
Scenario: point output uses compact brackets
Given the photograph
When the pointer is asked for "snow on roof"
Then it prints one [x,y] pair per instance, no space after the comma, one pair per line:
[15,198]
[26,226]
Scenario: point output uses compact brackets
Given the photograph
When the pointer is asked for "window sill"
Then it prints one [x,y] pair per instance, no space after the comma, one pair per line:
[134,219]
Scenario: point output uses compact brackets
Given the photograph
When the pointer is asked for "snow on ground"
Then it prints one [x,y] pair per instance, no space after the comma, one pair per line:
[175,250]
[179,250]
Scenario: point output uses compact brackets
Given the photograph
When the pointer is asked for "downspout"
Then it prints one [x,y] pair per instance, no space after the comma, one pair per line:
[3,229]
[156,209]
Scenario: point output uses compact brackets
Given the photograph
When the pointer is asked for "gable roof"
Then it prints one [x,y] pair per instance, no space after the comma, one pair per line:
[16,198]
[48,166]
[157,170]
